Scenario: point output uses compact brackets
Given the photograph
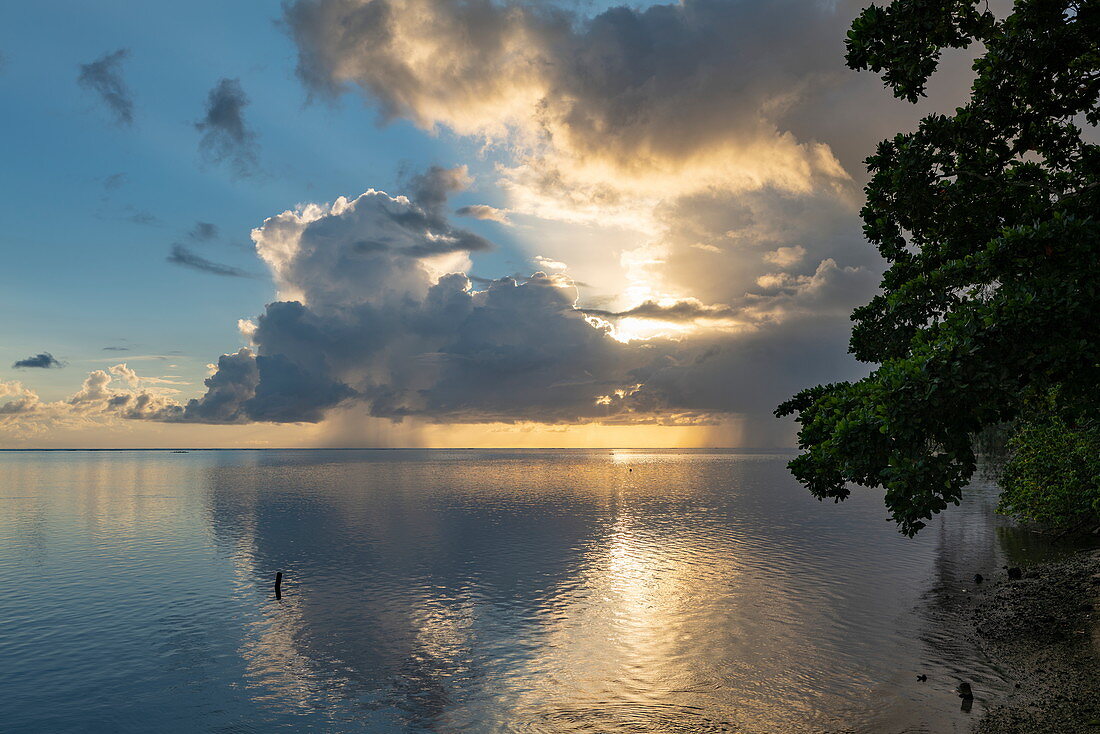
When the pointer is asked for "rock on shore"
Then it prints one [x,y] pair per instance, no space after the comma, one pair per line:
[1044,632]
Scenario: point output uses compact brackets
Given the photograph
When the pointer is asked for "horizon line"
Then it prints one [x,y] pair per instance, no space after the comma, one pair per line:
[414,448]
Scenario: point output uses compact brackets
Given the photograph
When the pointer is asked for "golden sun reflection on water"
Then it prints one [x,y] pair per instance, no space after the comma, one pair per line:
[556,591]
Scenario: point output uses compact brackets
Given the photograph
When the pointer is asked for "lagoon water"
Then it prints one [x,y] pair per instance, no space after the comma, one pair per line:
[476,591]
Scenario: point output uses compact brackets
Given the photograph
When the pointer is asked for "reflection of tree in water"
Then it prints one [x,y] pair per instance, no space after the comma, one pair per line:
[974,538]
[966,544]
[1022,546]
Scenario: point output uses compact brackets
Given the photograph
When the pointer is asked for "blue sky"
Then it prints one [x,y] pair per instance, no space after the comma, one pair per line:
[85,263]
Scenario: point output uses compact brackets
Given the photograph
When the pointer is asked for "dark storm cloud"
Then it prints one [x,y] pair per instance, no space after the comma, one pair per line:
[248,388]
[227,391]
[366,322]
[104,77]
[181,255]
[723,94]
[511,352]
[380,330]
[669,81]
[43,360]
[743,375]
[431,188]
[226,136]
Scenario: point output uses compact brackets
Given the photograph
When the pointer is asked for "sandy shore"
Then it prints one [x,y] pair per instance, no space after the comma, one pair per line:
[1043,630]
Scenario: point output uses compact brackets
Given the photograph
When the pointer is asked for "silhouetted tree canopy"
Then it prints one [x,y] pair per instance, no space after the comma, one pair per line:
[987,219]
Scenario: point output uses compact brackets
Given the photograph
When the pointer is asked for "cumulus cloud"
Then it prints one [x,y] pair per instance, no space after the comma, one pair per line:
[16,399]
[640,88]
[104,77]
[42,360]
[431,188]
[631,117]
[675,121]
[246,327]
[185,257]
[373,246]
[548,263]
[689,94]
[375,316]
[106,397]
[785,257]
[830,291]
[226,136]
[375,311]
[484,212]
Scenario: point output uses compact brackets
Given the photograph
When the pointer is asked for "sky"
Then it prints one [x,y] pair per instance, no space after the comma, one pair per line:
[431,222]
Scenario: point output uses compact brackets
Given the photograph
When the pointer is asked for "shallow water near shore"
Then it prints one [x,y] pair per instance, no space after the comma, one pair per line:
[478,591]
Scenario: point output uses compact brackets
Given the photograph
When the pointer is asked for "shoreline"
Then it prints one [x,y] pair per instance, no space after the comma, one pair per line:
[1043,631]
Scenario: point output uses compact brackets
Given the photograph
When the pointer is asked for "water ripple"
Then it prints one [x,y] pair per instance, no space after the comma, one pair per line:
[462,591]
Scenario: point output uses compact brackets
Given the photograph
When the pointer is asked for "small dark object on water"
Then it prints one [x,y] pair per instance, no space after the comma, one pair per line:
[1015,573]
[278,584]
[922,677]
[965,690]
[630,470]
[978,578]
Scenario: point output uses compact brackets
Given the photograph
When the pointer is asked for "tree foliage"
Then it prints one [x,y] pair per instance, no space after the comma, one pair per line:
[1053,477]
[987,219]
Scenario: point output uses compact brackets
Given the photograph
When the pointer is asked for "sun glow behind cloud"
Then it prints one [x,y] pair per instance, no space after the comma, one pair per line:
[688,246]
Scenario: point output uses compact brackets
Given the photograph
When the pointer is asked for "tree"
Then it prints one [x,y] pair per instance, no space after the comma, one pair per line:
[987,221]
[1053,477]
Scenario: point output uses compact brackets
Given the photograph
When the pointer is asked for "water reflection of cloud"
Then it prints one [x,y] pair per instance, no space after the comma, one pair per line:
[459,592]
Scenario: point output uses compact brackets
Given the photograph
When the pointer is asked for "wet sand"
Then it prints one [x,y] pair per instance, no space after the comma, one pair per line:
[1043,630]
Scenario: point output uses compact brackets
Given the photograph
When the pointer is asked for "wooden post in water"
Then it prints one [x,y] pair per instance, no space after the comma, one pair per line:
[278,584]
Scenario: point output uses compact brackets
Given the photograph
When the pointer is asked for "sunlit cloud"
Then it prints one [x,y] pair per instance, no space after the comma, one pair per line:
[685,228]
[484,212]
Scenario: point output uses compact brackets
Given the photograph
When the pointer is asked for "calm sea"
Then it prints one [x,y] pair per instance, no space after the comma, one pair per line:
[476,591]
